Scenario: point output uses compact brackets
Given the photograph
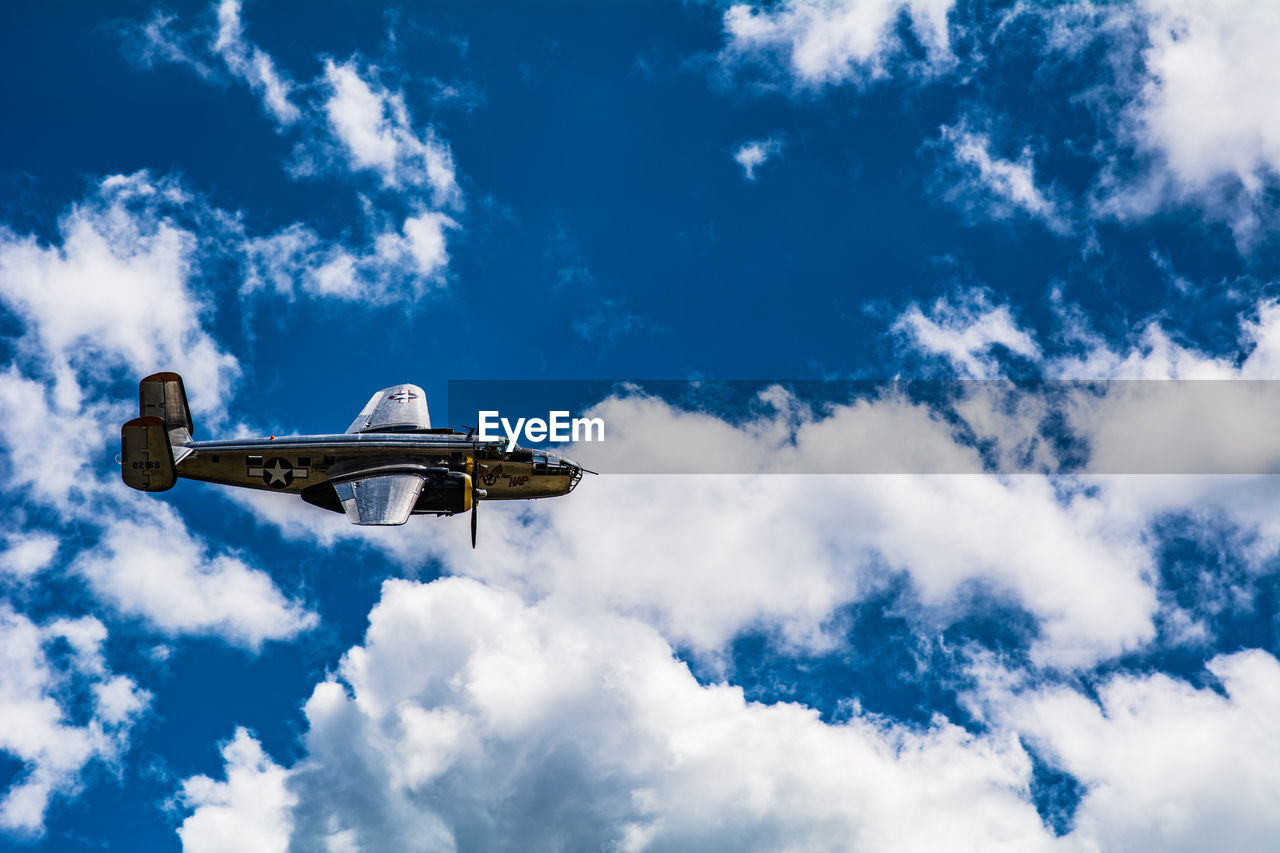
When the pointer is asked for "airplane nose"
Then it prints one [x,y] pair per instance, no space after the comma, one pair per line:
[575,471]
[560,464]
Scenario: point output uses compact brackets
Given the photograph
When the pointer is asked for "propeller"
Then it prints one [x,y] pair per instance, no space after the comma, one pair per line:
[473,527]
[476,492]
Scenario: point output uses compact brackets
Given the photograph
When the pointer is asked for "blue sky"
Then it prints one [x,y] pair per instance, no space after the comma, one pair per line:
[295,206]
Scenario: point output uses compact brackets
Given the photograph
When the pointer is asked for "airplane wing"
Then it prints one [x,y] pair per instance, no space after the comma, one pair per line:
[382,499]
[400,407]
[385,494]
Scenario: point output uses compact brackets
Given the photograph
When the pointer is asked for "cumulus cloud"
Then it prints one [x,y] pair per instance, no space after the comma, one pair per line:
[1186,100]
[153,567]
[987,186]
[1165,765]
[355,126]
[120,296]
[1075,553]
[816,43]
[558,678]
[469,719]
[48,443]
[1203,414]
[1191,106]
[27,553]
[249,811]
[41,727]
[118,290]
[116,295]
[1206,110]
[1074,560]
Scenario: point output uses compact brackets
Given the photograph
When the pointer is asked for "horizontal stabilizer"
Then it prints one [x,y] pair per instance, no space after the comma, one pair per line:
[146,457]
[384,499]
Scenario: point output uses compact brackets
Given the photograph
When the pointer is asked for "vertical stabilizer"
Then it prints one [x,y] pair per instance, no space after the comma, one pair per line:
[162,396]
[146,457]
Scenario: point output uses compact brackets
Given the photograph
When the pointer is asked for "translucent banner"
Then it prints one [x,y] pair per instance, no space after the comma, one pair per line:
[884,427]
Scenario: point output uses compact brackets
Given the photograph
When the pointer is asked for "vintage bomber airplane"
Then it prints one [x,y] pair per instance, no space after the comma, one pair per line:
[388,465]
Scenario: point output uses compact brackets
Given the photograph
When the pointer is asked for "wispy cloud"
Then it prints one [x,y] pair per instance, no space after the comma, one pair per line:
[987,186]
[375,132]
[396,265]
[967,332]
[253,65]
[354,126]
[752,155]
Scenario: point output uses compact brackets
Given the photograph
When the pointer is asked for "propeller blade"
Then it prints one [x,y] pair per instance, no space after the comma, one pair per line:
[475,492]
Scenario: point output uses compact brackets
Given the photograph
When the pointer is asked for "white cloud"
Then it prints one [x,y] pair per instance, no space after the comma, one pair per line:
[118,299]
[816,43]
[117,291]
[156,41]
[252,64]
[357,125]
[375,129]
[1201,115]
[115,297]
[145,562]
[395,266]
[49,441]
[966,333]
[580,730]
[26,554]
[752,155]
[785,553]
[1167,766]
[463,696]
[36,714]
[153,567]
[424,241]
[249,811]
[469,719]
[986,185]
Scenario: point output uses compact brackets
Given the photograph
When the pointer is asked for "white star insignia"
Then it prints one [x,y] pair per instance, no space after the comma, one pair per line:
[277,473]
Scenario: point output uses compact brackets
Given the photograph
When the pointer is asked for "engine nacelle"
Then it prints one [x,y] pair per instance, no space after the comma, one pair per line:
[448,495]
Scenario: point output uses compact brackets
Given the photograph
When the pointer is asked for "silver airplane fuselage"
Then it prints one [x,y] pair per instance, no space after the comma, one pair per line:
[388,465]
[292,463]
